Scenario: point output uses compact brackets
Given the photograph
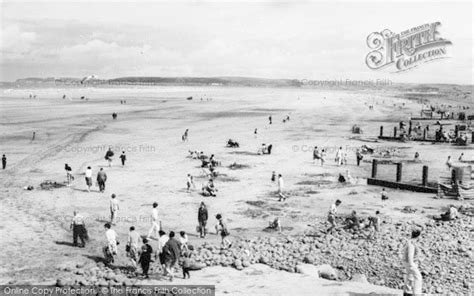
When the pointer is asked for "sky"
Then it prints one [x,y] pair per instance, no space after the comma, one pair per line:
[297,40]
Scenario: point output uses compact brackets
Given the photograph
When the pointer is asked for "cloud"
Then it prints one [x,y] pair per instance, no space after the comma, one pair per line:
[15,42]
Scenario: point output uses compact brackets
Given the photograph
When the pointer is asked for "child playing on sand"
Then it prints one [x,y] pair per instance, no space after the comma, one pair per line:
[281,186]
[89,178]
[221,228]
[190,182]
[186,264]
[183,240]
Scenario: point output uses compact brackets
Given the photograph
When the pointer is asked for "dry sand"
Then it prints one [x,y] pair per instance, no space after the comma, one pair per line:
[35,229]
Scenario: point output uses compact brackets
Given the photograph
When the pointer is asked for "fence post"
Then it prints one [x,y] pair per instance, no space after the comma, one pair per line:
[381,130]
[399,172]
[394,131]
[424,179]
[374,168]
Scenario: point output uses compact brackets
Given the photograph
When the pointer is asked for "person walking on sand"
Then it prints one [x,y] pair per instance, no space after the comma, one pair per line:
[383,197]
[155,222]
[339,156]
[449,163]
[114,207]
[359,156]
[78,227]
[108,156]
[123,158]
[202,219]
[89,178]
[4,161]
[110,250]
[270,119]
[190,182]
[255,133]
[323,157]
[133,242]
[69,176]
[171,253]
[34,136]
[281,187]
[316,154]
[332,215]
[413,278]
[145,257]
[101,179]
[221,228]
[461,157]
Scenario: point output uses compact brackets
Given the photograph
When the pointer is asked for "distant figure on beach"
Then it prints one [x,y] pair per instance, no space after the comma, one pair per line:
[255,133]
[110,250]
[417,156]
[383,197]
[270,119]
[359,156]
[221,228]
[281,187]
[114,115]
[185,135]
[209,189]
[78,227]
[4,161]
[186,264]
[316,154]
[449,163]
[413,278]
[202,219]
[89,178]
[275,224]
[155,221]
[114,207]
[332,215]
[133,242]
[108,156]
[374,224]
[145,257]
[339,156]
[123,158]
[101,179]
[69,176]
[273,176]
[190,182]
[34,136]
[460,157]
[323,157]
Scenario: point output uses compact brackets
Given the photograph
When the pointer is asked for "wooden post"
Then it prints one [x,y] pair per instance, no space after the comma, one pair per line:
[399,172]
[374,168]
[472,137]
[424,134]
[424,179]
[381,130]
[394,131]
[409,129]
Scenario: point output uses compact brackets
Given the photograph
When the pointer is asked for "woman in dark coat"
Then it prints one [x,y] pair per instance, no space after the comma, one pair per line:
[202,219]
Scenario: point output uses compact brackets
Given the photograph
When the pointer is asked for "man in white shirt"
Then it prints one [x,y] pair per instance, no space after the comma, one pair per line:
[114,207]
[155,222]
[413,278]
[89,178]
[110,250]
[133,243]
[281,186]
[332,215]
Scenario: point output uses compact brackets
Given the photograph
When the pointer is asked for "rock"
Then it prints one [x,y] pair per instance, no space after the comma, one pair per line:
[307,269]
[308,260]
[245,263]
[360,278]
[59,283]
[325,271]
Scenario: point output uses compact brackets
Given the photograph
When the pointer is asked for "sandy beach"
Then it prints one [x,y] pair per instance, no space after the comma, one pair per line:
[35,229]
